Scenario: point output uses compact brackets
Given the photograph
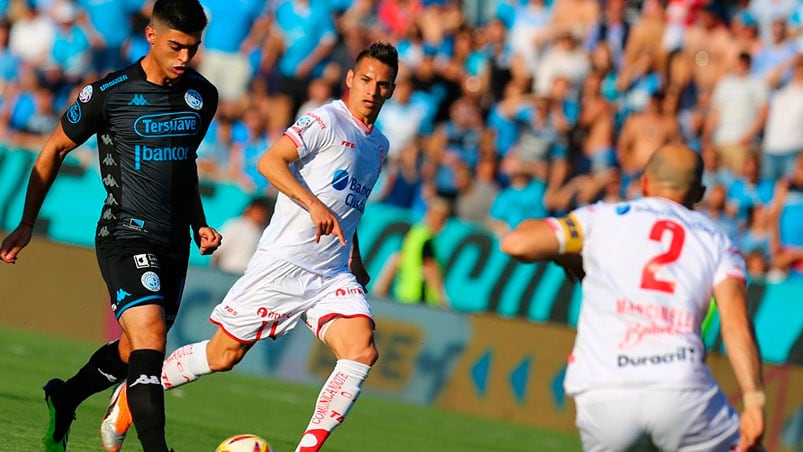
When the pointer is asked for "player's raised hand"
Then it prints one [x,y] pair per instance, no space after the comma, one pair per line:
[207,239]
[326,223]
[15,242]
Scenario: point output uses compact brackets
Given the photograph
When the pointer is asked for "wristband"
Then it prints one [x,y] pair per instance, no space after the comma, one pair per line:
[754,398]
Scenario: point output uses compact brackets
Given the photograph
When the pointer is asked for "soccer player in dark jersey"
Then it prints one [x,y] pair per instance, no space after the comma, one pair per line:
[149,119]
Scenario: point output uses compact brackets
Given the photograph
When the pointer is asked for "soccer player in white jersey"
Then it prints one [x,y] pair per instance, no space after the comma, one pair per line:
[649,269]
[307,266]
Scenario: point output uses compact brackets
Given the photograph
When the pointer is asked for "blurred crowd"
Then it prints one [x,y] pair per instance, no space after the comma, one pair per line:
[511,109]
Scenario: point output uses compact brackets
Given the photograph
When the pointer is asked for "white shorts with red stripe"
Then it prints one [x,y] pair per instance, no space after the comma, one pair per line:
[273,295]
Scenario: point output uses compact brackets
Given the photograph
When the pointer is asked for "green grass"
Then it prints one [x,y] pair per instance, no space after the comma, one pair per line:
[202,414]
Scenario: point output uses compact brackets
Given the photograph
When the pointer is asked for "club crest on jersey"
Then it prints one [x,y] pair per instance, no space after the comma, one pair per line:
[193,99]
[150,281]
[622,209]
[74,113]
[85,94]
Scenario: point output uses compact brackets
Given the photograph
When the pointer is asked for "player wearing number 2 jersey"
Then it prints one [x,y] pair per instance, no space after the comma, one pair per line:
[650,267]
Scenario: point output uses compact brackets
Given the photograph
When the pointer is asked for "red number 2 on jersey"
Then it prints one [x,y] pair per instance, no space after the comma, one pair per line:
[677,237]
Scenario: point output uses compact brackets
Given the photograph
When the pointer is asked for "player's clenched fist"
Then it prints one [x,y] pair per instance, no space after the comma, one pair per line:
[208,240]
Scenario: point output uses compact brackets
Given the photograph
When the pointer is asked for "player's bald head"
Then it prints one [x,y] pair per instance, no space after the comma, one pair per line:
[674,171]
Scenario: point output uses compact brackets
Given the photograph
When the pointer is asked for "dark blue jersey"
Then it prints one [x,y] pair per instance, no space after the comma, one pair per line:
[147,140]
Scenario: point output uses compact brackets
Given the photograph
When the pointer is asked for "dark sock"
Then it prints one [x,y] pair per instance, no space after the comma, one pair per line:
[104,369]
[146,398]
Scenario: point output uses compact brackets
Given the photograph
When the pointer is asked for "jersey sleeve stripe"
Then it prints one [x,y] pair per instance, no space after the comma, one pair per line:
[554,224]
[294,138]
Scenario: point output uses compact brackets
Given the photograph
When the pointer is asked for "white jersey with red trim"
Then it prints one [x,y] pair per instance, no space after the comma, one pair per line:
[339,162]
[650,268]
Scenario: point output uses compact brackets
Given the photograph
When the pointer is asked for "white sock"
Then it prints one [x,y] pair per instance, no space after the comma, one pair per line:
[185,364]
[335,400]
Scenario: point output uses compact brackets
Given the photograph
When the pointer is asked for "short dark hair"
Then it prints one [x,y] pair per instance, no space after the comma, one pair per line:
[381,51]
[186,16]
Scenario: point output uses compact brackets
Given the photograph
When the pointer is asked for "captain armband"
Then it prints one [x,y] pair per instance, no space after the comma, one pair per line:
[569,233]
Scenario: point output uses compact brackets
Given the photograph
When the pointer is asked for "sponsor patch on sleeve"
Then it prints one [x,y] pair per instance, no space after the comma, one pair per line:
[85,94]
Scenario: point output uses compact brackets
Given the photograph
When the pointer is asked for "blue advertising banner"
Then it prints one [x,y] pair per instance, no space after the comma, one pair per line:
[479,278]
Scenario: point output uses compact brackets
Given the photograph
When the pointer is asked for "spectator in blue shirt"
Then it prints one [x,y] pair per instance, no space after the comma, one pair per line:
[8,63]
[403,117]
[637,83]
[246,153]
[111,21]
[787,213]
[756,235]
[71,53]
[308,36]
[456,141]
[520,200]
[232,33]
[715,206]
[136,46]
[748,189]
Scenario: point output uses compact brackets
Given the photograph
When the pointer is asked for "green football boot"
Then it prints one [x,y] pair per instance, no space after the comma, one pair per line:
[58,429]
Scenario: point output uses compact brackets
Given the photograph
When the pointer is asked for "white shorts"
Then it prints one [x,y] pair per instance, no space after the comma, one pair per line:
[682,420]
[273,295]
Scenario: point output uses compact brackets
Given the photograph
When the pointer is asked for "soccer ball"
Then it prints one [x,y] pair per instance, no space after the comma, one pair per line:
[244,443]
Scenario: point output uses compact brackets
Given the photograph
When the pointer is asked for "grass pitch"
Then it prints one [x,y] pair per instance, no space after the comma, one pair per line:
[202,414]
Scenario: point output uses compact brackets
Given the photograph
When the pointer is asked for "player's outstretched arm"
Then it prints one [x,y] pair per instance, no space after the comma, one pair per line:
[743,353]
[275,166]
[44,172]
[531,240]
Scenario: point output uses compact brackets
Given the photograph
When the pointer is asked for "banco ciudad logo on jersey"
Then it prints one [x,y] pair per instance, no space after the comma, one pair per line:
[340,180]
[176,124]
[358,192]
